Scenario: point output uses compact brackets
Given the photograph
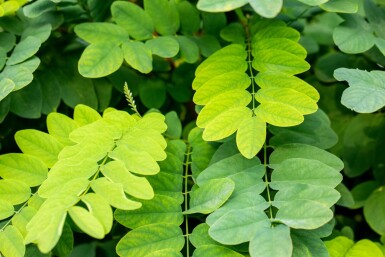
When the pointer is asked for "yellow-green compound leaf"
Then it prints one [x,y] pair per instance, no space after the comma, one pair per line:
[14,191]
[151,238]
[165,47]
[138,187]
[165,253]
[138,55]
[276,30]
[224,102]
[87,222]
[39,144]
[281,80]
[299,101]
[21,219]
[12,244]
[279,61]
[283,44]
[65,171]
[139,162]
[225,124]
[153,121]
[6,209]
[100,209]
[221,84]
[251,136]
[60,126]
[345,247]
[46,227]
[84,115]
[133,18]
[231,51]
[279,114]
[24,50]
[214,251]
[114,194]
[144,142]
[101,32]
[338,246]
[23,167]
[100,59]
[261,244]
[210,196]
[227,64]
[160,209]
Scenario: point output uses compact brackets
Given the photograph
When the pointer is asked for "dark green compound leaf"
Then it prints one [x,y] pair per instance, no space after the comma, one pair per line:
[27,103]
[164,15]
[101,32]
[374,211]
[190,21]
[133,19]
[138,55]
[100,59]
[24,50]
[165,46]
[189,50]
[152,93]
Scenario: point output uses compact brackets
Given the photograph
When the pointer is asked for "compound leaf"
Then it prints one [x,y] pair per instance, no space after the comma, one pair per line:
[220,5]
[138,55]
[86,221]
[210,196]
[133,18]
[23,167]
[262,245]
[100,59]
[101,32]
[164,15]
[151,238]
[11,242]
[366,93]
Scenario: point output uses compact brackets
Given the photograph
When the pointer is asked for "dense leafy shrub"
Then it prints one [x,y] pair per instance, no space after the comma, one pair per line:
[192,128]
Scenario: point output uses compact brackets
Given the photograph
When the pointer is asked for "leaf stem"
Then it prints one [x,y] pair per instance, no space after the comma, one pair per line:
[245,23]
[267,181]
[185,193]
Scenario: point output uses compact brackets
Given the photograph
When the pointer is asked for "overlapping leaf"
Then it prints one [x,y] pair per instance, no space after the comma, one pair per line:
[304,177]
[223,87]
[366,93]
[162,214]
[87,152]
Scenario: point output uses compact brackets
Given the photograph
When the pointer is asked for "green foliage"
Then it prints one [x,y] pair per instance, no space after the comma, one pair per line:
[192,128]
